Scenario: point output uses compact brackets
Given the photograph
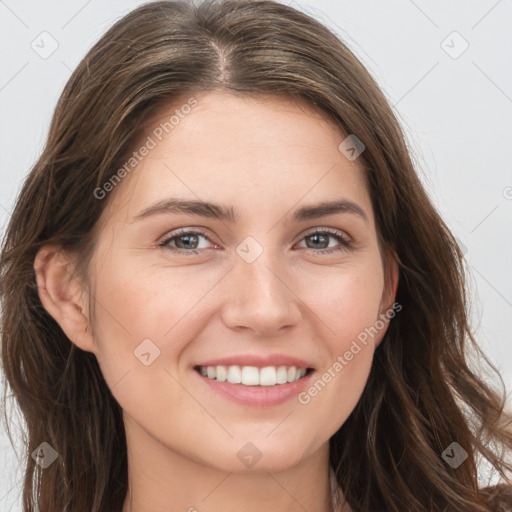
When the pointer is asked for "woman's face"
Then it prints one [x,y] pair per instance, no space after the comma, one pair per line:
[248,273]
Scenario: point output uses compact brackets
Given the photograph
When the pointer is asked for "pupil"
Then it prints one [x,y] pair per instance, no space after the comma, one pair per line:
[187,240]
[317,236]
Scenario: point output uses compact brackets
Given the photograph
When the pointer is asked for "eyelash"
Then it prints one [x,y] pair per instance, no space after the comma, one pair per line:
[346,244]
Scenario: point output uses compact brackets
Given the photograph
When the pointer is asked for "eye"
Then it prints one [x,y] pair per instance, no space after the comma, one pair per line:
[320,240]
[185,241]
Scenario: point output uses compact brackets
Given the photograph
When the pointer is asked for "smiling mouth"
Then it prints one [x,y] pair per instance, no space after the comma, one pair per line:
[254,376]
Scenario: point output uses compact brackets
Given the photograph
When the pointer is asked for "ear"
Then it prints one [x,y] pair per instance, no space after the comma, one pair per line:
[390,283]
[388,308]
[63,296]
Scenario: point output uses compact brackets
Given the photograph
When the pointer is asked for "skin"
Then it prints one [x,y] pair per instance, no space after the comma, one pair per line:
[265,157]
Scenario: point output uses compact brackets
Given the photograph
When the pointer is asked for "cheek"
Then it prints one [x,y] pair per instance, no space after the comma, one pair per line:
[346,301]
[349,318]
[137,302]
[141,326]
[138,312]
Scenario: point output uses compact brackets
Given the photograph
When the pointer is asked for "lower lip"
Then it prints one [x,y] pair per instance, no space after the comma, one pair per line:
[259,396]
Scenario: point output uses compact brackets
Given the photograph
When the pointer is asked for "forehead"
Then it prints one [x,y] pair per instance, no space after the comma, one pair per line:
[250,150]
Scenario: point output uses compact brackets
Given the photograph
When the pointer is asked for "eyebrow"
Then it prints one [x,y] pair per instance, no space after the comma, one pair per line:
[229,214]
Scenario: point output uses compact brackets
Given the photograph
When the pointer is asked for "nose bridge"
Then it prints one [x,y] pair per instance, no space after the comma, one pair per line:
[259,296]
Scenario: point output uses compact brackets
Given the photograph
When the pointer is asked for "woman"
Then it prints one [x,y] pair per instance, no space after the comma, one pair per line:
[224,287]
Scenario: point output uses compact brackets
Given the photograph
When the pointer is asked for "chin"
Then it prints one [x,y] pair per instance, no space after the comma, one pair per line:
[260,455]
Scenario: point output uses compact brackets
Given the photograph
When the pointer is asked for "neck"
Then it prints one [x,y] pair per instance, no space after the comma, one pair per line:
[159,476]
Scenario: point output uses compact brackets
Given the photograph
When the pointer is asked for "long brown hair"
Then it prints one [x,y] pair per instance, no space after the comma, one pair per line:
[422,394]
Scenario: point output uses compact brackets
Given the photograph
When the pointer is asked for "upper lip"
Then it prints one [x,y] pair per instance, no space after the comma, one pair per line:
[258,361]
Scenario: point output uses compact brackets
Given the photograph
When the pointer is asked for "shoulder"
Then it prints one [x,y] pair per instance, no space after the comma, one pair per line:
[499,497]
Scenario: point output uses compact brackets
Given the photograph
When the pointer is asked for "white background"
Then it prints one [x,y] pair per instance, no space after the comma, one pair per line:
[456,113]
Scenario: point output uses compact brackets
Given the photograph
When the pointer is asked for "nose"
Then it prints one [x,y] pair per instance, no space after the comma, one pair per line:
[260,297]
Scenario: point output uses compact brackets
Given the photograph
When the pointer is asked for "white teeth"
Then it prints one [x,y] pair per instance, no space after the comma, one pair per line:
[234,375]
[222,374]
[253,376]
[250,376]
[268,376]
[282,375]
